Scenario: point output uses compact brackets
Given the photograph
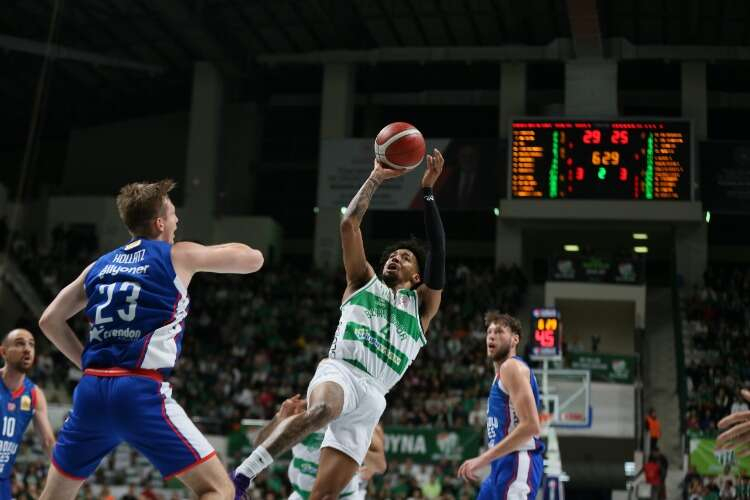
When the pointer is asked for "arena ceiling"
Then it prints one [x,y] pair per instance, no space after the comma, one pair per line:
[119,58]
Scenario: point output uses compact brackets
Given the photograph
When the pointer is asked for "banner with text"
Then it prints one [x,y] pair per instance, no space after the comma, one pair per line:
[710,462]
[626,271]
[426,445]
[469,180]
[617,368]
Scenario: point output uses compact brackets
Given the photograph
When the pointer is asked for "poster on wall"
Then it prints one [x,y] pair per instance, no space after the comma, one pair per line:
[469,180]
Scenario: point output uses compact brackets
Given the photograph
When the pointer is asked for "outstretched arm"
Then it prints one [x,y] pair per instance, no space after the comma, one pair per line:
[54,321]
[515,376]
[358,270]
[230,258]
[431,293]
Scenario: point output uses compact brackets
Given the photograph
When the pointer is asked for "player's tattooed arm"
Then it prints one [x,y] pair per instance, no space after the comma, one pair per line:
[358,270]
[290,407]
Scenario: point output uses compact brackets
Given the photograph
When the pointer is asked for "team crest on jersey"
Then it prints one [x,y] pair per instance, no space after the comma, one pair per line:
[25,403]
[11,406]
[132,244]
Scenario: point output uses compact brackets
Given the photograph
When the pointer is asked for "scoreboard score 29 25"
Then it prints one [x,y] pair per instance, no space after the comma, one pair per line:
[601,159]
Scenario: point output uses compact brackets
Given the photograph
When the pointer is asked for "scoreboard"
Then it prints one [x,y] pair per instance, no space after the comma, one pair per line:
[600,159]
[546,336]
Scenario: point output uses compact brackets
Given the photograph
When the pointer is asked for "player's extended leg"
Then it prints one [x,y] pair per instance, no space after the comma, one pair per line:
[60,487]
[335,471]
[324,403]
[209,480]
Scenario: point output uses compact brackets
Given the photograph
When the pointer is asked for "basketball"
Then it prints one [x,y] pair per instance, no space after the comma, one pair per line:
[400,145]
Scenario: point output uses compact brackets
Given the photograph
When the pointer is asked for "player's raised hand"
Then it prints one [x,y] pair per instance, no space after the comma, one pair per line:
[382,173]
[737,433]
[469,469]
[292,406]
[434,168]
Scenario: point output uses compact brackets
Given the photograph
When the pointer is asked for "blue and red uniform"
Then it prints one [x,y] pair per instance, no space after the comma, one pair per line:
[517,475]
[17,410]
[137,308]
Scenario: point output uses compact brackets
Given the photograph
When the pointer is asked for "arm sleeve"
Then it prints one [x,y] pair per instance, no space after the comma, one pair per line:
[434,272]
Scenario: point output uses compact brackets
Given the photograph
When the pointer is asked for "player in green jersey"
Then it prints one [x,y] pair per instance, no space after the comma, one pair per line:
[382,328]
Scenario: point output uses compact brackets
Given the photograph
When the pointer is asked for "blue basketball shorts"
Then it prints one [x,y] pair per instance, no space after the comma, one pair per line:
[514,477]
[115,405]
[6,492]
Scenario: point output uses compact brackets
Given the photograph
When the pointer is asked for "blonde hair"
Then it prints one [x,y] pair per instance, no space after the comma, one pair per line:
[139,203]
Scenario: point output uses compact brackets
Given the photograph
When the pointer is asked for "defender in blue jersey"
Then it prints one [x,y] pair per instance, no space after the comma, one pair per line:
[20,402]
[136,300]
[516,453]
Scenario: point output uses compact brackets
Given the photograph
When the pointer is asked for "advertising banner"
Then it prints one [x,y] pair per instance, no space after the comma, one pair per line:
[427,445]
[626,271]
[617,368]
[710,462]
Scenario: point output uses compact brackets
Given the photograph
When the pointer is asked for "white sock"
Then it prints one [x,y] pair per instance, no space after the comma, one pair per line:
[258,460]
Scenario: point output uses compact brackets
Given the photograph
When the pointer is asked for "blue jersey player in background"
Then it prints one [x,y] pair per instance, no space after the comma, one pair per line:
[20,402]
[515,453]
[136,300]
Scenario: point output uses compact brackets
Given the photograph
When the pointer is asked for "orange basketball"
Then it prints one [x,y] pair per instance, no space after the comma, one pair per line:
[400,145]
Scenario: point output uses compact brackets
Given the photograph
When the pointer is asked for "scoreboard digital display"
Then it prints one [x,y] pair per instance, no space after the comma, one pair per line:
[546,338]
[600,160]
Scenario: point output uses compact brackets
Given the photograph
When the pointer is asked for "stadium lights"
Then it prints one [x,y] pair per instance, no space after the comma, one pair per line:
[496,211]
[640,249]
[640,236]
[708,216]
[316,210]
[343,210]
[571,248]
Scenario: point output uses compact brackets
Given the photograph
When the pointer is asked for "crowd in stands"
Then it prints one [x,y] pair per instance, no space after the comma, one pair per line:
[253,341]
[716,347]
[715,336]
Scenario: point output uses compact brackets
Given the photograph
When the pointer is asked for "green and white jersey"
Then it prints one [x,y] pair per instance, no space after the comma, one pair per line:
[304,467]
[379,332]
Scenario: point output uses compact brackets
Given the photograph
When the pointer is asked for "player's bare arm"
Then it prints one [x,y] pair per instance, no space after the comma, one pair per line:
[431,292]
[292,406]
[41,423]
[375,462]
[230,258]
[736,427]
[515,376]
[358,270]
[54,320]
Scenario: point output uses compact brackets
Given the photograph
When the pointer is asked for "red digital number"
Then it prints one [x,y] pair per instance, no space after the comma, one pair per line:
[579,173]
[592,137]
[545,338]
[619,137]
[623,174]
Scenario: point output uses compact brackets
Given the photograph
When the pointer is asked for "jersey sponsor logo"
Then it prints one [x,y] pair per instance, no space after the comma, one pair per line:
[25,403]
[378,345]
[98,333]
[130,258]
[8,450]
[114,270]
[11,406]
[492,424]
